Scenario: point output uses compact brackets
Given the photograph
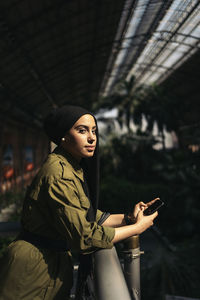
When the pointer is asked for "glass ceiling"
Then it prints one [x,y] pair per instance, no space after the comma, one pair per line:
[161,35]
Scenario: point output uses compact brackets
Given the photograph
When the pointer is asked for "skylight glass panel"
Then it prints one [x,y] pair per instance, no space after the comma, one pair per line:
[135,21]
[174,40]
[174,50]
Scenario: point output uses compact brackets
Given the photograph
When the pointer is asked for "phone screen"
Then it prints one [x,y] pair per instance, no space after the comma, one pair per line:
[152,208]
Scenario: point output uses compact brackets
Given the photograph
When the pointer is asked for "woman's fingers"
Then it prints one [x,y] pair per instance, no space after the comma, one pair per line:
[154,215]
[141,204]
[152,201]
[138,207]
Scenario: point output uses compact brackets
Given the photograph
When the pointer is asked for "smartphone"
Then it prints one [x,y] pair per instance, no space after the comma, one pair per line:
[153,207]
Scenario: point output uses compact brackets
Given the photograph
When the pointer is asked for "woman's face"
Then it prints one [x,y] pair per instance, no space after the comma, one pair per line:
[81,139]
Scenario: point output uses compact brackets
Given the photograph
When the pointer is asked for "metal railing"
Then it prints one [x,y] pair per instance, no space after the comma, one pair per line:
[118,280]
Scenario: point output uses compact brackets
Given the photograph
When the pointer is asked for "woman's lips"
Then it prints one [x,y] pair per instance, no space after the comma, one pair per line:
[90,147]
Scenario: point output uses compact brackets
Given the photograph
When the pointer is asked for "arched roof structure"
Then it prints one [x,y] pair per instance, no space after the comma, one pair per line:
[71,51]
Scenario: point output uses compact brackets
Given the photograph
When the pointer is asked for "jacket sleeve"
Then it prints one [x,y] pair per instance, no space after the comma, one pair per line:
[69,212]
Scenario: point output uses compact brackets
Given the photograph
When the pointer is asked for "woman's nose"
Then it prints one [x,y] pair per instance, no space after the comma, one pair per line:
[91,137]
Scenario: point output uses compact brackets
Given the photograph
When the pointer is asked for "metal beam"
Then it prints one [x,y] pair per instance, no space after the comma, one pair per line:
[135,50]
[167,41]
[126,16]
[13,104]
[17,47]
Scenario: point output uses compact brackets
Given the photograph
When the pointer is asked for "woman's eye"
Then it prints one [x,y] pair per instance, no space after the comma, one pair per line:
[94,132]
[82,130]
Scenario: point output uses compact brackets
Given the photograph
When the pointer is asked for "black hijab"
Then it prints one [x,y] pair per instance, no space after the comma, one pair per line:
[56,125]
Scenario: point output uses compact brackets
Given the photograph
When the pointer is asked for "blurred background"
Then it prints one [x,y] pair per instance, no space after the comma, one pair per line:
[135,64]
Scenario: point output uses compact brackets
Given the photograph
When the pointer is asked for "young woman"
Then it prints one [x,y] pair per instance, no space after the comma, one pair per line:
[60,213]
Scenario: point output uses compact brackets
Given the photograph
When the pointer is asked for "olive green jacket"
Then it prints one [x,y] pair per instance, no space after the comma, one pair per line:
[56,206]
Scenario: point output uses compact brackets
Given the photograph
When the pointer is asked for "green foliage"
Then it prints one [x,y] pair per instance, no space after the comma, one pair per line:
[124,99]
[119,195]
[171,272]
[4,242]
[133,171]
[158,105]
[12,197]
[5,201]
[122,156]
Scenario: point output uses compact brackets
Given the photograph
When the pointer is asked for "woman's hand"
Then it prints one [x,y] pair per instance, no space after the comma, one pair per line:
[140,206]
[144,222]
[140,222]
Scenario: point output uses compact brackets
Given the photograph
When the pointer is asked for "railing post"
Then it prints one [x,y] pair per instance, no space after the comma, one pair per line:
[132,265]
[109,279]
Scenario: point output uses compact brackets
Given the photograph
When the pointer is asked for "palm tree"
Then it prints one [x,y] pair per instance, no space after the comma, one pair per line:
[157,105]
[136,102]
[124,98]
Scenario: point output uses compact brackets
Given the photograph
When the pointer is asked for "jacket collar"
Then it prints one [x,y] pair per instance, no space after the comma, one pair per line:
[68,158]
